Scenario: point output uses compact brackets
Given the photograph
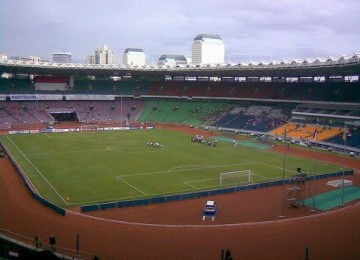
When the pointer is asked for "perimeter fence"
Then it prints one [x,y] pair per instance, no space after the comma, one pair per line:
[30,186]
[208,193]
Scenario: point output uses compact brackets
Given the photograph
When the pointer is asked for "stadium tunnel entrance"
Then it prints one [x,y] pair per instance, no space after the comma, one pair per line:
[69,116]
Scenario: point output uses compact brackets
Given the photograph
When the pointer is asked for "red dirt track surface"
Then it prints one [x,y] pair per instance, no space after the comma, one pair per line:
[248,223]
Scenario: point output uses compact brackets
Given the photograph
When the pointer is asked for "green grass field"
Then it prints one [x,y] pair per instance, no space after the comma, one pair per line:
[79,168]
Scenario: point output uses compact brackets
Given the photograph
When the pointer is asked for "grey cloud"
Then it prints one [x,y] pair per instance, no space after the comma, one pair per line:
[261,29]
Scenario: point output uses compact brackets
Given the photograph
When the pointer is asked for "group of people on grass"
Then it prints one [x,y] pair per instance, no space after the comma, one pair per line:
[200,139]
[154,144]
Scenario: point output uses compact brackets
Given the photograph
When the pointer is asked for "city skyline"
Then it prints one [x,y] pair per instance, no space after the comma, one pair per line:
[251,30]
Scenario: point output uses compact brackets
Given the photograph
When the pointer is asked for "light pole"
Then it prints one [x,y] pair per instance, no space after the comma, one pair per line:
[283,178]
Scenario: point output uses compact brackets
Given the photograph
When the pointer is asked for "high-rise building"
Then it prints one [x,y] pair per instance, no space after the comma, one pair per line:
[208,49]
[62,57]
[90,59]
[134,57]
[103,55]
[172,60]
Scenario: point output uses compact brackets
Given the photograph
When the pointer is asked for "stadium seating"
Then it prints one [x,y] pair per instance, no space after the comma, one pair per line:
[352,138]
[247,106]
[17,113]
[253,118]
[182,111]
[16,86]
[86,111]
[305,91]
[108,87]
[305,131]
[284,129]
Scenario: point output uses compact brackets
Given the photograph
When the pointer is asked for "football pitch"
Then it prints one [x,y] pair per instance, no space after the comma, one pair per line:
[81,168]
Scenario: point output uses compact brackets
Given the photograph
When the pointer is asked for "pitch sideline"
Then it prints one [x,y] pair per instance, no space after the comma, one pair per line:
[36,169]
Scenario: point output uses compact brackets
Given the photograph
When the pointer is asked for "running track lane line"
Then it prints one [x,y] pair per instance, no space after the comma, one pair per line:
[259,223]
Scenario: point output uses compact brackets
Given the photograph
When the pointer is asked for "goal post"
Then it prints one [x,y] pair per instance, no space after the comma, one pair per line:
[236,177]
[89,128]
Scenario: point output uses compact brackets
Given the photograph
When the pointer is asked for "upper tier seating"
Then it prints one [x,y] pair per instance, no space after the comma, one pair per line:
[304,91]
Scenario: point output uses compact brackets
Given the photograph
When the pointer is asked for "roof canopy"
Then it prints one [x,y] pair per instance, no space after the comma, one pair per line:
[133,50]
[207,36]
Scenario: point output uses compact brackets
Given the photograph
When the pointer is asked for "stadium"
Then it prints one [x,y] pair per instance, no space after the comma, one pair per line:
[118,162]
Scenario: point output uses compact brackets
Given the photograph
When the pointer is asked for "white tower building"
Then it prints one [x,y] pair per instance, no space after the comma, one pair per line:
[134,57]
[103,55]
[208,49]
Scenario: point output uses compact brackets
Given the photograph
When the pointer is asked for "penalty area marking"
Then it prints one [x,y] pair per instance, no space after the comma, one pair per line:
[189,183]
[155,150]
[184,168]
[276,167]
[132,186]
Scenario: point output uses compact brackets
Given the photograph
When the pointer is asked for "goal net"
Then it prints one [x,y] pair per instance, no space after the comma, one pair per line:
[236,178]
[89,128]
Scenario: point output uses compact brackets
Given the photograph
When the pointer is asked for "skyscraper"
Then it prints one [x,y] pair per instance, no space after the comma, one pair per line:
[62,57]
[134,57]
[171,60]
[208,49]
[103,55]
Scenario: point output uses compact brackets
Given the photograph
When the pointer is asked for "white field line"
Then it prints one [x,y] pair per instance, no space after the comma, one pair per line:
[37,170]
[268,151]
[189,167]
[48,136]
[133,197]
[66,152]
[198,181]
[107,148]
[276,167]
[260,177]
[188,183]
[183,168]
[176,169]
[155,150]
[132,186]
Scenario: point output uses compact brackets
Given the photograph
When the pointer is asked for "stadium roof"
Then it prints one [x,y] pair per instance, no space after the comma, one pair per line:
[133,50]
[312,67]
[207,36]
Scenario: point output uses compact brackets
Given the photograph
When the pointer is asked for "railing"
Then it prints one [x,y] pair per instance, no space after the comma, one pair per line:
[28,244]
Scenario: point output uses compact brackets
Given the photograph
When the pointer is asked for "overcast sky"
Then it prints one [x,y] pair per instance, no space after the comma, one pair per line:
[252,30]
